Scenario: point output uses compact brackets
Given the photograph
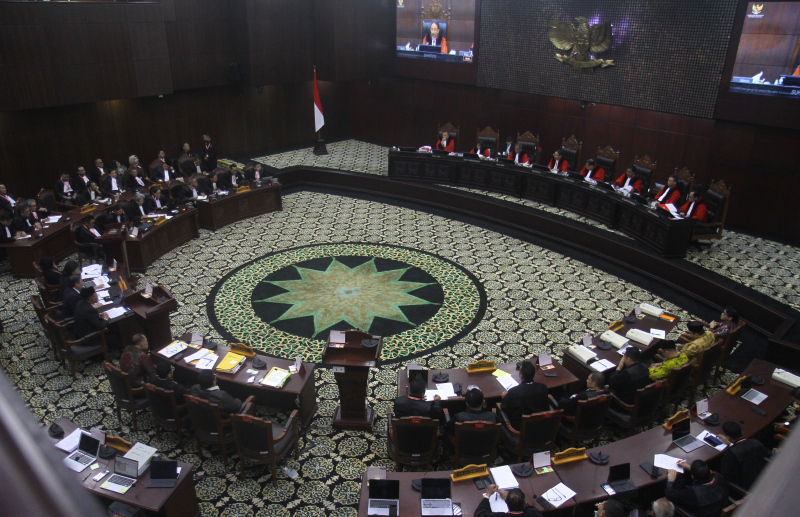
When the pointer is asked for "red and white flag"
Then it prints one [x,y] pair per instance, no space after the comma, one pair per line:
[319,119]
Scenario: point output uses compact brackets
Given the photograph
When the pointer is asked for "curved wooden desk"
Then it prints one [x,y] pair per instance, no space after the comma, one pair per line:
[218,211]
[56,241]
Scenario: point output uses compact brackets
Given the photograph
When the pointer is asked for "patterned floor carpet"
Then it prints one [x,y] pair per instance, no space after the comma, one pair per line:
[535,300]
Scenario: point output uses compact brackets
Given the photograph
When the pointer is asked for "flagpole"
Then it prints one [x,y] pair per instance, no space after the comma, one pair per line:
[319,145]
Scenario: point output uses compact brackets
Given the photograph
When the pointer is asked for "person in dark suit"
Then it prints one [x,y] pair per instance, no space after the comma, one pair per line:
[208,185]
[112,184]
[525,399]
[7,202]
[117,215]
[591,171]
[515,501]
[611,508]
[21,222]
[163,171]
[39,214]
[233,182]
[135,180]
[163,379]
[509,147]
[6,235]
[87,319]
[744,459]
[414,404]
[476,412]
[207,389]
[90,194]
[595,387]
[65,189]
[209,153]
[83,180]
[52,276]
[70,268]
[445,143]
[186,150]
[669,193]
[629,181]
[189,192]
[154,201]
[136,209]
[629,376]
[255,173]
[71,295]
[97,171]
[706,497]
[86,233]
[189,167]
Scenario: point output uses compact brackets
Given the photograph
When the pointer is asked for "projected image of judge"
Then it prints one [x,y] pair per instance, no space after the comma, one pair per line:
[440,30]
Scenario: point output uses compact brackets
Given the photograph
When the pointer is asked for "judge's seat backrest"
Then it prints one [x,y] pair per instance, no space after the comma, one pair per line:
[715,202]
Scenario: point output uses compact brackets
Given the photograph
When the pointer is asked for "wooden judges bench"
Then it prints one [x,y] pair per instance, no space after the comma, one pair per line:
[586,478]
[299,391]
[218,211]
[56,241]
[669,237]
[178,501]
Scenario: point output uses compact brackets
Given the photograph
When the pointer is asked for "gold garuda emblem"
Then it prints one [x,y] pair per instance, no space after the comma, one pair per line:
[757,8]
[581,42]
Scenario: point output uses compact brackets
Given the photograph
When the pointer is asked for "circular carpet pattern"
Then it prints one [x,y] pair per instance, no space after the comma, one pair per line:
[285,303]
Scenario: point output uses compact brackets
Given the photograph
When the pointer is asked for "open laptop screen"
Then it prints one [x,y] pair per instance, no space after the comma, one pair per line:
[384,489]
[435,488]
[89,444]
[126,467]
[619,472]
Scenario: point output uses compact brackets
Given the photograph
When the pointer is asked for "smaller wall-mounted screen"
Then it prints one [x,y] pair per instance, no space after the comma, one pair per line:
[767,61]
[436,30]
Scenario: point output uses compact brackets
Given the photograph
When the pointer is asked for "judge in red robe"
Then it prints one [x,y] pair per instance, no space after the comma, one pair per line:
[591,171]
[518,156]
[629,179]
[434,38]
[694,208]
[669,193]
[557,162]
[480,149]
[445,143]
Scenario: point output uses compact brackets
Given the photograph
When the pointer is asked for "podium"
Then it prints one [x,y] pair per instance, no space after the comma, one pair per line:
[153,314]
[351,361]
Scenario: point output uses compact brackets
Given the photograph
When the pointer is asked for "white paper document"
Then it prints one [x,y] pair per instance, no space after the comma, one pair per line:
[498,504]
[336,336]
[559,495]
[660,334]
[665,461]
[197,355]
[702,438]
[754,396]
[70,442]
[504,478]
[507,381]
[116,312]
[53,218]
[541,459]
[92,271]
[207,362]
[602,365]
[173,348]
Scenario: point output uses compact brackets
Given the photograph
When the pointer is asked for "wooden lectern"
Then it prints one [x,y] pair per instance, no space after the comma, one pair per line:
[351,361]
[153,314]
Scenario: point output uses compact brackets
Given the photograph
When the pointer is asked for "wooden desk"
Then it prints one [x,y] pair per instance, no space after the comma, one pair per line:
[153,314]
[463,492]
[178,501]
[669,237]
[158,240]
[56,242]
[647,322]
[299,392]
[214,213]
[488,384]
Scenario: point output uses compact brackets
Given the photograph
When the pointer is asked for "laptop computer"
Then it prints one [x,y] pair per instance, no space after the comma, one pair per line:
[435,493]
[126,471]
[619,477]
[682,436]
[384,497]
[85,455]
[163,474]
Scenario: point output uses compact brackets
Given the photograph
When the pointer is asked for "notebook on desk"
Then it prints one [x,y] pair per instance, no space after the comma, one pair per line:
[619,477]
[163,474]
[384,497]
[682,436]
[85,455]
[436,497]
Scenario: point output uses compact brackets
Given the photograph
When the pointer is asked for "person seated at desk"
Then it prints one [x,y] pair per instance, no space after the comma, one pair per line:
[629,182]
[445,143]
[70,268]
[71,295]
[7,201]
[189,192]
[414,404]
[154,201]
[255,173]
[629,376]
[557,163]
[136,208]
[671,359]
[611,508]
[515,500]
[90,194]
[591,171]
[133,163]
[744,459]
[669,194]
[52,276]
[508,147]
[117,215]
[86,233]
[236,179]
[97,171]
[694,208]
[39,214]
[729,321]
[83,180]
[196,167]
[22,221]
[595,387]
[134,180]
[135,361]
[162,171]
[526,398]
[111,184]
[207,389]
[163,379]
[481,150]
[186,150]
[434,38]
[87,319]
[65,190]
[7,236]
[706,497]
[696,338]
[475,411]
[209,185]
[519,157]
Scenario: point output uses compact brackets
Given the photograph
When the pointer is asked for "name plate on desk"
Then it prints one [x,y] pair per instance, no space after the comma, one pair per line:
[481,366]
[469,472]
[87,208]
[160,220]
[680,416]
[736,387]
[572,454]
[242,349]
[242,189]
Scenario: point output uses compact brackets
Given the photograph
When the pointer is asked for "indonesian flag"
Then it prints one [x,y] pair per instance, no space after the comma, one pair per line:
[319,119]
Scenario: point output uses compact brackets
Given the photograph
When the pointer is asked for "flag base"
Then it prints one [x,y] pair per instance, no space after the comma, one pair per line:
[319,147]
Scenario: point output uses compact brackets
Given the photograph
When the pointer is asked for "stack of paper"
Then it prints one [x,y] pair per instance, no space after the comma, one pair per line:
[92,271]
[276,377]
[667,462]
[231,363]
[504,477]
[614,338]
[445,390]
[640,336]
[197,355]
[116,312]
[207,362]
[53,218]
[602,365]
[173,348]
[559,495]
[143,454]
[70,443]
[507,380]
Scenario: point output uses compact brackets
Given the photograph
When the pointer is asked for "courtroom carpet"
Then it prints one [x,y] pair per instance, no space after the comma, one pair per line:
[537,300]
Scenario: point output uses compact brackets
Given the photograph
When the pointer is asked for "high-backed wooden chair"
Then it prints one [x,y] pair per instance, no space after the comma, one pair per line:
[707,365]
[716,201]
[590,415]
[475,443]
[644,168]
[208,425]
[261,441]
[412,440]
[489,139]
[677,384]
[167,413]
[47,198]
[645,405]
[88,251]
[530,146]
[607,158]
[452,131]
[571,151]
[125,395]
[73,349]
[728,344]
[46,293]
[685,183]
[41,312]
[537,432]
